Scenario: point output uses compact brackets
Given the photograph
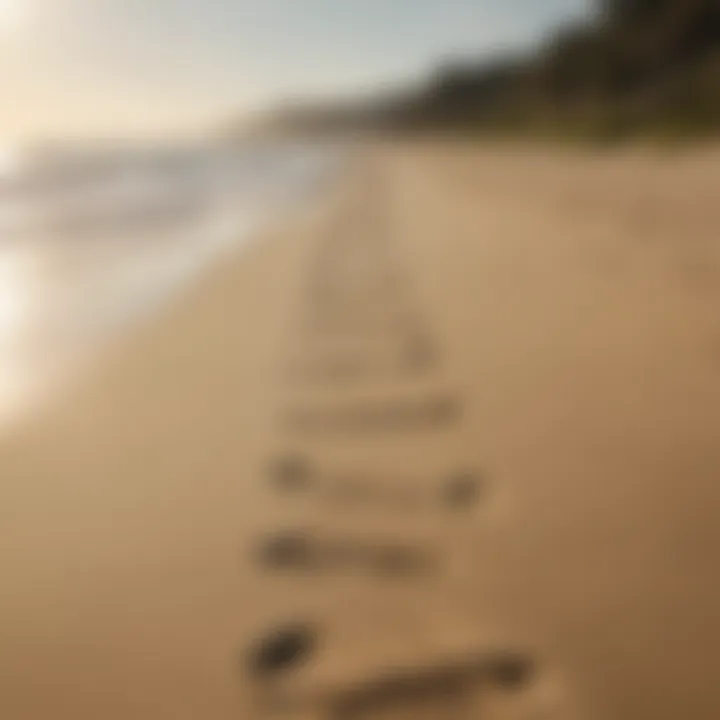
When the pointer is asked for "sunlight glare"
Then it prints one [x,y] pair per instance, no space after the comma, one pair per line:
[10,158]
[11,14]
[12,306]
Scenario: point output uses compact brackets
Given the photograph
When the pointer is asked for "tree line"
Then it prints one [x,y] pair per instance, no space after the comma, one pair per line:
[633,66]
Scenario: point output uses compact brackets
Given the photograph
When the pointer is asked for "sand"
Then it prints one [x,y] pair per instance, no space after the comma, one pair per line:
[482,383]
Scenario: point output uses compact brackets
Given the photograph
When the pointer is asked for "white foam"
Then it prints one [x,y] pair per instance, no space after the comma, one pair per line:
[89,248]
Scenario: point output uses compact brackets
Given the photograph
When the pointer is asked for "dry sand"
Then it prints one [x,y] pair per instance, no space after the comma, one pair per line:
[545,323]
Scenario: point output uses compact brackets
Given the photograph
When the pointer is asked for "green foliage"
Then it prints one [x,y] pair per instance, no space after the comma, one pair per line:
[640,65]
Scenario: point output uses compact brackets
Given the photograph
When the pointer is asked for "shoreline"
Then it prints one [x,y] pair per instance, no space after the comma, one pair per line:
[137,282]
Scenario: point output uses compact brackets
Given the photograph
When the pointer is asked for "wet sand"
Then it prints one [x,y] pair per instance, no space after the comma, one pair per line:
[445,445]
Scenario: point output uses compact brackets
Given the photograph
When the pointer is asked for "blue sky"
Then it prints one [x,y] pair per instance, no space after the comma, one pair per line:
[113,67]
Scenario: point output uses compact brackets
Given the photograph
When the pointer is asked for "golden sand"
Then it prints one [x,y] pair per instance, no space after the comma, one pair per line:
[558,501]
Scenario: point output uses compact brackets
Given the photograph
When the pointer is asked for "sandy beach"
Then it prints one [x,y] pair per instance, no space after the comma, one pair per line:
[483,381]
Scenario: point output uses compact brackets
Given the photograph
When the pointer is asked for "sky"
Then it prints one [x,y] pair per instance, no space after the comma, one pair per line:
[116,68]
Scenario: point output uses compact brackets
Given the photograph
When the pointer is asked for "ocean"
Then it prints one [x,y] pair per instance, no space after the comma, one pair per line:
[94,240]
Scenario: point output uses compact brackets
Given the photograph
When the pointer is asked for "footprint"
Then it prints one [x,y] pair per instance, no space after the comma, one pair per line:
[357,489]
[390,416]
[495,684]
[463,491]
[282,651]
[440,692]
[291,473]
[304,552]
[291,550]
